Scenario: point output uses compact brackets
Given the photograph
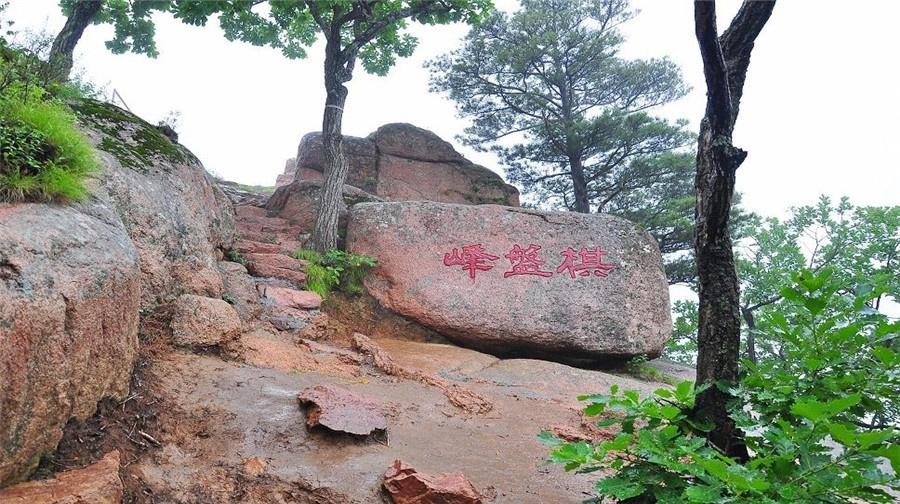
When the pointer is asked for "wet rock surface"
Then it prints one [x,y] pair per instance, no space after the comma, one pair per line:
[340,410]
[69,298]
[405,485]
[515,282]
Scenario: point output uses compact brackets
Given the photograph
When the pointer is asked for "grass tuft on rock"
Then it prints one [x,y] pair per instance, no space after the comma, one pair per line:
[43,156]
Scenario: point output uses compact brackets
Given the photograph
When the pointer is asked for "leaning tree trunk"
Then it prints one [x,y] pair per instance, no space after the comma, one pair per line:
[63,48]
[725,62]
[325,232]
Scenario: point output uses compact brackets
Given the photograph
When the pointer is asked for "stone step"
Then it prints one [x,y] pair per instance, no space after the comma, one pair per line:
[255,247]
[282,297]
[277,266]
[248,212]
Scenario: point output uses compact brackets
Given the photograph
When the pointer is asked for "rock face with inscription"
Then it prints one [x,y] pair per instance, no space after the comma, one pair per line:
[518,282]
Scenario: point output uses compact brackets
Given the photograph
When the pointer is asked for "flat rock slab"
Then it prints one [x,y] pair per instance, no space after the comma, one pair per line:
[289,298]
[341,410]
[98,483]
[405,485]
[518,282]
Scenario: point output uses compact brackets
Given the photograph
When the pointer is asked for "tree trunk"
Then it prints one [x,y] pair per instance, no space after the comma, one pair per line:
[63,48]
[582,203]
[725,62]
[325,233]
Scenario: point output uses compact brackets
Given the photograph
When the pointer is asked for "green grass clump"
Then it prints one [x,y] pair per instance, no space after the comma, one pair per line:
[43,156]
[335,269]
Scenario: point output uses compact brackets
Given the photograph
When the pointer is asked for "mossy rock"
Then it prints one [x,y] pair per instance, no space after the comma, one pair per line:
[136,143]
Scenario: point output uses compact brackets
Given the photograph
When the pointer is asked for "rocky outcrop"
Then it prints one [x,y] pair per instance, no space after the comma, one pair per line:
[360,152]
[69,300]
[563,286]
[298,202]
[287,176]
[97,483]
[401,162]
[173,211]
[73,278]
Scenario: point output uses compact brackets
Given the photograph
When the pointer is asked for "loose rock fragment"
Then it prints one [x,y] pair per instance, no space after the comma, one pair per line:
[340,410]
[405,485]
[98,483]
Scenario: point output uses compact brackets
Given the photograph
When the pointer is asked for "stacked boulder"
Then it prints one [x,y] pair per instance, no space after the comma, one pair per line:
[398,162]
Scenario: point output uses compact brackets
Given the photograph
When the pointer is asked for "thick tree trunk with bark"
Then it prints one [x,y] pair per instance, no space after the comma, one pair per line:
[63,48]
[725,62]
[579,183]
[337,72]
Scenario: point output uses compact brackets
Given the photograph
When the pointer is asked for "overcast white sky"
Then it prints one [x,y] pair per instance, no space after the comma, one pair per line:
[820,111]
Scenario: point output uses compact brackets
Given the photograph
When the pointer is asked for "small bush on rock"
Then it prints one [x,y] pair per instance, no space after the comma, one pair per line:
[809,418]
[335,269]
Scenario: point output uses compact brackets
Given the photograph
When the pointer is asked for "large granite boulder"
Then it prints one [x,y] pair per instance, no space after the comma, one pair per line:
[176,215]
[401,162]
[299,201]
[515,282]
[360,153]
[69,301]
[73,278]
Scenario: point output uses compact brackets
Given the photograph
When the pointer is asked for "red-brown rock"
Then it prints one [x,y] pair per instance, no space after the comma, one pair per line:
[403,179]
[341,410]
[98,483]
[276,266]
[255,247]
[176,215]
[241,290]
[291,298]
[405,485]
[69,302]
[401,162]
[361,156]
[298,203]
[201,321]
[287,176]
[411,142]
[518,304]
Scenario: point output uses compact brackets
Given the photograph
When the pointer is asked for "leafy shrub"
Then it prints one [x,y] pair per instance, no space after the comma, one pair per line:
[43,156]
[818,423]
[335,269]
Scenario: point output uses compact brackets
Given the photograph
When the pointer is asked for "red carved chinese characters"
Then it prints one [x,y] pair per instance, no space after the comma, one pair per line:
[525,262]
[473,259]
[591,259]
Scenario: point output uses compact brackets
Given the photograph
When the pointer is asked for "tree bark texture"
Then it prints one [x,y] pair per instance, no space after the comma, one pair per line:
[725,62]
[579,183]
[63,48]
[337,72]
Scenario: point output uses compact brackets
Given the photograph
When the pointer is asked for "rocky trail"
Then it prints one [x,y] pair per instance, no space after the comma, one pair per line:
[216,424]
[174,301]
